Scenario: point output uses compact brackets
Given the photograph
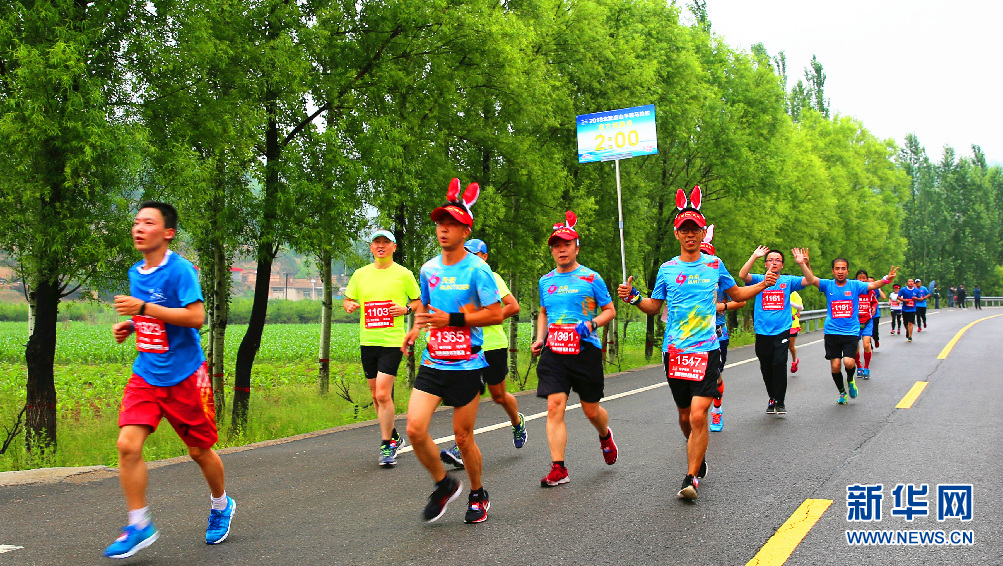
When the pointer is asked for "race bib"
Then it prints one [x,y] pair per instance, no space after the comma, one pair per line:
[563,339]
[691,367]
[377,314]
[842,309]
[151,334]
[893,304]
[773,300]
[449,343]
[910,303]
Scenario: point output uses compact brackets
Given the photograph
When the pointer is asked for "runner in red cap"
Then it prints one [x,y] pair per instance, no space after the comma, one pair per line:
[574,303]
[688,284]
[458,298]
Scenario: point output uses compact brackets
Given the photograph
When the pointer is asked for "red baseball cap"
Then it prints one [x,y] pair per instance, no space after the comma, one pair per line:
[690,214]
[707,248]
[562,233]
[456,210]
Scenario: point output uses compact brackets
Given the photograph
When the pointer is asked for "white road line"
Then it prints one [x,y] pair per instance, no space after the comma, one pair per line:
[8,548]
[535,416]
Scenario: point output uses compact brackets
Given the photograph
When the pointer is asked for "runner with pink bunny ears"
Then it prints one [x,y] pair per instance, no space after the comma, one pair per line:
[688,284]
[772,316]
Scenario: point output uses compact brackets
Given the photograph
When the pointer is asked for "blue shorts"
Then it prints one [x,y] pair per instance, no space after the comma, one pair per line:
[867,329]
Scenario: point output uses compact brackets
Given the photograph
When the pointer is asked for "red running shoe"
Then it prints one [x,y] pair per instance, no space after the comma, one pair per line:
[558,475]
[794,365]
[608,448]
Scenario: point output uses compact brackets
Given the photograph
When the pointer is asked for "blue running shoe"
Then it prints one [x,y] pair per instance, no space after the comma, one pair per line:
[852,386]
[452,456]
[716,419]
[131,541]
[519,432]
[388,455]
[842,399]
[219,522]
[399,440]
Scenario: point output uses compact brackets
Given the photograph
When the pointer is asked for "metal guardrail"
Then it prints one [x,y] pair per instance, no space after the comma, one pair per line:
[813,320]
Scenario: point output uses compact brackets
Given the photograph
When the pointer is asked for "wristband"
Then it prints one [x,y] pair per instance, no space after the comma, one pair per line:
[409,310]
[725,303]
[886,279]
[142,308]
[457,319]
[635,297]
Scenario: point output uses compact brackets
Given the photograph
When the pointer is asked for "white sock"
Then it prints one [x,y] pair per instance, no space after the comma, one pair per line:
[140,517]
[218,503]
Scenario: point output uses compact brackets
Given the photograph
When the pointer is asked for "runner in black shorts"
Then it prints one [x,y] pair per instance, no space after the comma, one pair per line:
[385,292]
[496,354]
[688,285]
[574,303]
[724,304]
[842,321]
[458,298]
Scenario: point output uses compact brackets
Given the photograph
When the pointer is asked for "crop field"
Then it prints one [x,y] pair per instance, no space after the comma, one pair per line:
[91,371]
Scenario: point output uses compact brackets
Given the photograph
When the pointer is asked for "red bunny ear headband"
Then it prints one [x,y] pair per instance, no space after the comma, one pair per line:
[691,212]
[565,231]
[705,246]
[458,209]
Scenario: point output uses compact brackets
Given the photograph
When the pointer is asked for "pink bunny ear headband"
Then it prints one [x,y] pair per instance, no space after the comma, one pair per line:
[455,207]
[705,246]
[691,212]
[565,231]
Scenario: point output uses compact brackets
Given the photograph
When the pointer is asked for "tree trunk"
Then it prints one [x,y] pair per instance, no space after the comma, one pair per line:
[513,332]
[40,354]
[220,315]
[649,334]
[327,302]
[267,249]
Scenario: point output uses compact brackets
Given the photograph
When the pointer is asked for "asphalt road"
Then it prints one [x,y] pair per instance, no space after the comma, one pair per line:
[323,500]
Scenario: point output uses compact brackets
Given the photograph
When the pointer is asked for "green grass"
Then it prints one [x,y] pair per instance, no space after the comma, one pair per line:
[91,372]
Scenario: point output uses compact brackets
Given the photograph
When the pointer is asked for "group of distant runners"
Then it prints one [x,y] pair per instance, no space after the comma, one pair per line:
[459,303]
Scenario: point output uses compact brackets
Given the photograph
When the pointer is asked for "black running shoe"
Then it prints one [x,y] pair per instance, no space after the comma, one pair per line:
[477,508]
[780,409]
[703,470]
[689,488]
[771,407]
[445,493]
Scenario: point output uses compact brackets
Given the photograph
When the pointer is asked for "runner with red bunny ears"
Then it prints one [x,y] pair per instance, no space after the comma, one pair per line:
[458,298]
[169,377]
[842,321]
[574,303]
[773,319]
[723,338]
[688,285]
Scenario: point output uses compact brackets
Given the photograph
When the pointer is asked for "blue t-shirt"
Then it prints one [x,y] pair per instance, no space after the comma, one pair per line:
[722,317]
[172,353]
[922,292]
[466,286]
[690,290]
[907,297]
[773,305]
[843,305]
[574,297]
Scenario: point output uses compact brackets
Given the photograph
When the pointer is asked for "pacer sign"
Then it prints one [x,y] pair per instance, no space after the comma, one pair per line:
[617,134]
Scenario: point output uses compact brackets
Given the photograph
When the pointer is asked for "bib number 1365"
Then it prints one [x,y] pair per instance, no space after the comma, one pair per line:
[449,343]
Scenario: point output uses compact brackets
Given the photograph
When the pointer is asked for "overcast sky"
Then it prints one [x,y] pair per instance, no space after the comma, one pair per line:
[923,66]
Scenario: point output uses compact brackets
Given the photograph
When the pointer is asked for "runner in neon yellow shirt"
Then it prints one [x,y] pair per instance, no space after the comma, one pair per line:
[496,353]
[797,305]
[386,292]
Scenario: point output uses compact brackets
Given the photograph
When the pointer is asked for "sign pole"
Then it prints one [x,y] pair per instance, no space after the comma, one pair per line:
[619,209]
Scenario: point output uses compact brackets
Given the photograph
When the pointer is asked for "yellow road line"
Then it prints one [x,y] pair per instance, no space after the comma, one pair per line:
[778,549]
[950,345]
[912,395]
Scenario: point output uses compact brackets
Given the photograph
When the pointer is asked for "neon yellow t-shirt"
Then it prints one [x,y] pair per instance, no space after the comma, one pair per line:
[796,300]
[494,336]
[373,289]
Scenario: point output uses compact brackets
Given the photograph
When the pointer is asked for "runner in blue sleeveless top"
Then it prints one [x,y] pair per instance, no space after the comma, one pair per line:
[842,321]
[458,297]
[688,285]
[574,303]
[908,298]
